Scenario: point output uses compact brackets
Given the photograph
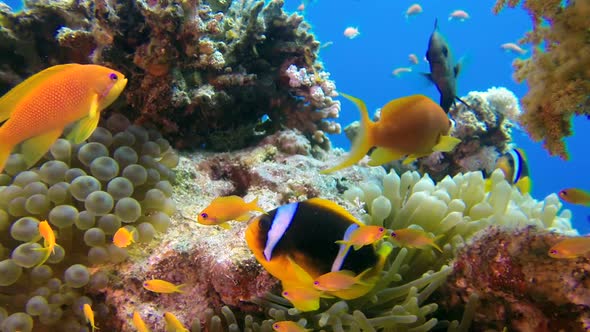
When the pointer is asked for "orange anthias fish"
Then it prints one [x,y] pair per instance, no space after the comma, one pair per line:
[139,323]
[413,238]
[123,237]
[173,324]
[162,286]
[37,110]
[288,326]
[303,298]
[338,280]
[575,196]
[89,314]
[364,235]
[48,240]
[411,127]
[223,209]
[571,248]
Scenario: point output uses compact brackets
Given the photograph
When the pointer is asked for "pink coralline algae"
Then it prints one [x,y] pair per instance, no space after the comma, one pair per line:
[203,73]
[519,286]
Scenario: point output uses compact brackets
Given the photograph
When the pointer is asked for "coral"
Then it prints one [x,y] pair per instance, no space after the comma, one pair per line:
[120,177]
[557,72]
[203,73]
[517,283]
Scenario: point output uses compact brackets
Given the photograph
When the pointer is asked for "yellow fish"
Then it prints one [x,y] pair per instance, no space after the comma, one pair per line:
[413,238]
[288,326]
[162,286]
[173,324]
[123,237]
[411,127]
[139,323]
[303,298]
[575,196]
[223,209]
[37,110]
[89,314]
[48,240]
[364,235]
[571,247]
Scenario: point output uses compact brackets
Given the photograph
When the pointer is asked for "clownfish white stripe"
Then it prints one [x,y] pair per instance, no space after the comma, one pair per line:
[280,223]
[344,249]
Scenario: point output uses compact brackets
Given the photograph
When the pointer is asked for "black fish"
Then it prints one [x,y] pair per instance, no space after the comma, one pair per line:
[443,70]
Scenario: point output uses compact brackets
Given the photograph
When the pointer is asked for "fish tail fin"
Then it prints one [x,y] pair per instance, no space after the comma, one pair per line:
[363,141]
[434,245]
[253,205]
[178,288]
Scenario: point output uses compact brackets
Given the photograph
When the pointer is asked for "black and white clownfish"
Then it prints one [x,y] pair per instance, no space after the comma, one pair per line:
[297,243]
[516,171]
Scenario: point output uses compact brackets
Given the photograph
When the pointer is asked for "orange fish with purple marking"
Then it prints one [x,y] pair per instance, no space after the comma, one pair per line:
[414,238]
[410,127]
[173,324]
[48,240]
[36,111]
[575,196]
[288,326]
[123,237]
[572,247]
[162,286]
[139,323]
[364,235]
[226,208]
[89,314]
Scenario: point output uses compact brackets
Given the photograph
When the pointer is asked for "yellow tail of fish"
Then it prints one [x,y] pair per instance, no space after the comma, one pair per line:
[363,141]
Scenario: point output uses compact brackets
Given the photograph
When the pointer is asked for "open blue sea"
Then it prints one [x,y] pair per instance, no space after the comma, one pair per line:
[362,67]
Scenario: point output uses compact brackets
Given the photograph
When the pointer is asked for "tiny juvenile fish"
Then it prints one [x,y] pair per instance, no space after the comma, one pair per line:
[36,111]
[162,286]
[575,196]
[48,240]
[139,323]
[351,32]
[123,237]
[571,248]
[512,47]
[288,326]
[458,14]
[89,314]
[226,208]
[336,281]
[364,235]
[413,238]
[173,324]
[413,10]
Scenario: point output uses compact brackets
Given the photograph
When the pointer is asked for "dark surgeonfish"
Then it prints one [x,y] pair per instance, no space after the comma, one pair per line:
[443,70]
[297,243]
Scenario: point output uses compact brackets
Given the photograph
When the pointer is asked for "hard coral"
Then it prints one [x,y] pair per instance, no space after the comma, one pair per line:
[557,73]
[520,287]
[203,74]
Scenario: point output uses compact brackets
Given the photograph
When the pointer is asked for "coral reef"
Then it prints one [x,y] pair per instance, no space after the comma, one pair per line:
[522,288]
[203,73]
[120,177]
[557,72]
[225,280]
[484,128]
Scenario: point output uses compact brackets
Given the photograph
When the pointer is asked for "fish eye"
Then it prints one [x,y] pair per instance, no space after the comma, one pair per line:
[204,215]
[381,229]
[316,283]
[553,251]
[563,192]
[393,234]
[276,326]
[285,293]
[445,51]
[113,76]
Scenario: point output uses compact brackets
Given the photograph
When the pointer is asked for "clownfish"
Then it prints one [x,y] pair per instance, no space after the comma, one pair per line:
[411,127]
[575,196]
[226,208]
[296,243]
[516,171]
[36,111]
[571,247]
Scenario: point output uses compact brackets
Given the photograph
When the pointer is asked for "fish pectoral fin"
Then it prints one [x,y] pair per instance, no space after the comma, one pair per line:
[446,143]
[10,99]
[462,102]
[224,225]
[85,127]
[381,156]
[244,217]
[34,148]
[410,159]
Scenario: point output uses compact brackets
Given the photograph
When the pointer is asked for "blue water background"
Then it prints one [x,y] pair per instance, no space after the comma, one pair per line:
[362,67]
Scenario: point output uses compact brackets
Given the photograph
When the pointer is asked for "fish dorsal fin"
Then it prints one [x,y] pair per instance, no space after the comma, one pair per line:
[335,208]
[22,90]
[401,104]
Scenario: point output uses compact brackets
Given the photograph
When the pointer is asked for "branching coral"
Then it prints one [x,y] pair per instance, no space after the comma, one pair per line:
[557,72]
[202,74]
